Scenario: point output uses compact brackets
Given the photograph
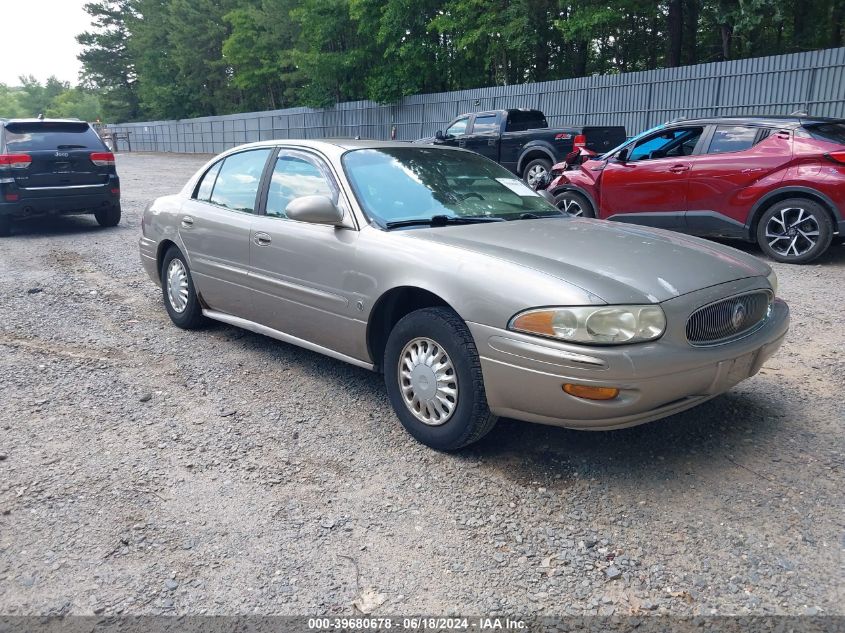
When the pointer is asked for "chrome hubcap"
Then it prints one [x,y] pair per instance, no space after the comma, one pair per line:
[570,207]
[792,232]
[428,381]
[177,285]
[535,174]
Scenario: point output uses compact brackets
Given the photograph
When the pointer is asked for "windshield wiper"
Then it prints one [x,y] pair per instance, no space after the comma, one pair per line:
[71,147]
[537,216]
[442,220]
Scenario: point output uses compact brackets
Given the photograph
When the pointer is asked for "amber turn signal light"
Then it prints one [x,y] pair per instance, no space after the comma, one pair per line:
[591,393]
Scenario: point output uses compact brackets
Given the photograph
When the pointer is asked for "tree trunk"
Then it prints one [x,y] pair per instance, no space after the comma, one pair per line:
[579,62]
[799,25]
[675,28]
[836,26]
[690,39]
[726,31]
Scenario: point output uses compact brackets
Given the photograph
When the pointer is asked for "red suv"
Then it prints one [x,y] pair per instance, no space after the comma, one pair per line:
[779,181]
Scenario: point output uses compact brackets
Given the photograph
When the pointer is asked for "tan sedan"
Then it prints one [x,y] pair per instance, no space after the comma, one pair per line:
[474,296]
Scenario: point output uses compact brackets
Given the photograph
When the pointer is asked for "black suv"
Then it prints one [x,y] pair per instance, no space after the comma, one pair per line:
[55,167]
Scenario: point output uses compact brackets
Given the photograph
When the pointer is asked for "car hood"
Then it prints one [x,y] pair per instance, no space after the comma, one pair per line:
[619,263]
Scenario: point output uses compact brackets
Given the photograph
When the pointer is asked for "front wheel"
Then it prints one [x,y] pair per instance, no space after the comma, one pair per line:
[108,216]
[434,382]
[536,170]
[795,231]
[574,204]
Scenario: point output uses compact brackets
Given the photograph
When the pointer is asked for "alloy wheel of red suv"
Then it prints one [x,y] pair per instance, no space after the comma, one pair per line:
[795,231]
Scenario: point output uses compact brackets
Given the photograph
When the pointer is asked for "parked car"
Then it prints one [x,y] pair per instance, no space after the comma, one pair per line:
[473,295]
[521,140]
[52,166]
[779,181]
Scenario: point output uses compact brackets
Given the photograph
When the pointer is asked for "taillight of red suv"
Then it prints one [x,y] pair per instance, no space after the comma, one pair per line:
[836,157]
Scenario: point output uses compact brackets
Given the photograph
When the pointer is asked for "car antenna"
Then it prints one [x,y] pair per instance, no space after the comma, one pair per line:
[799,113]
[41,116]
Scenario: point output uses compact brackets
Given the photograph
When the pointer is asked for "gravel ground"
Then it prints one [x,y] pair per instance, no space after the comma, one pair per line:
[148,470]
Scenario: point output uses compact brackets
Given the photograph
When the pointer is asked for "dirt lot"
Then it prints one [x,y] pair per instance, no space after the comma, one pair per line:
[144,469]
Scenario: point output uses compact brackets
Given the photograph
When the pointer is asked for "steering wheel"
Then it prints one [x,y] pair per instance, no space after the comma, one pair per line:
[467,196]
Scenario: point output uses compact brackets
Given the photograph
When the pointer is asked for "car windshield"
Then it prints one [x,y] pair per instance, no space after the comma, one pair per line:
[400,184]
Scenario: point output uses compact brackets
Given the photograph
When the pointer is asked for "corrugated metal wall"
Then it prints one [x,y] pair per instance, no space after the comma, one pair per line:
[812,81]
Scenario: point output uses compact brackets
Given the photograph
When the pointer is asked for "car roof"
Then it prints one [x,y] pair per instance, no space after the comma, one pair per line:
[791,120]
[342,144]
[44,120]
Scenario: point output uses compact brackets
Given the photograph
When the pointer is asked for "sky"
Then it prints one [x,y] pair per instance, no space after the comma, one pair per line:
[39,39]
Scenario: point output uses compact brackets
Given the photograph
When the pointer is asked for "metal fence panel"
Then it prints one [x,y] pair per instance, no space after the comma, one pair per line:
[813,81]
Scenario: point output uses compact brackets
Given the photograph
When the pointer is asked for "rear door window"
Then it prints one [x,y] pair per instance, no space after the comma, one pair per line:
[238,180]
[732,138]
[48,135]
[487,124]
[207,182]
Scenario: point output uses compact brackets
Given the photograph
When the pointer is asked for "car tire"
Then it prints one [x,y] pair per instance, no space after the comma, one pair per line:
[795,231]
[108,216]
[178,292]
[574,205]
[5,226]
[441,337]
[535,169]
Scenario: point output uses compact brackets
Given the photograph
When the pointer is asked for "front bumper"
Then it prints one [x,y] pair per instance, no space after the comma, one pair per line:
[524,375]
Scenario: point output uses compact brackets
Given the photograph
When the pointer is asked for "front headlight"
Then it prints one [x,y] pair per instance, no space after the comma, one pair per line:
[773,282]
[603,325]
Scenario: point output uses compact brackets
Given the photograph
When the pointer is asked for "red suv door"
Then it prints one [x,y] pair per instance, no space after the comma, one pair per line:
[738,166]
[647,182]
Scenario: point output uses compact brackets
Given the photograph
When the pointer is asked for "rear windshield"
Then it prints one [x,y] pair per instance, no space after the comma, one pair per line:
[833,132]
[28,137]
[527,120]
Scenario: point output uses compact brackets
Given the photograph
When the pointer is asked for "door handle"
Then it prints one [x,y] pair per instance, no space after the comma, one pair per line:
[491,142]
[187,222]
[262,239]
[679,169]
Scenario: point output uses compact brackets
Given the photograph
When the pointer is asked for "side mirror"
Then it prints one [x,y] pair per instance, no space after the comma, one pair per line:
[438,136]
[314,209]
[622,156]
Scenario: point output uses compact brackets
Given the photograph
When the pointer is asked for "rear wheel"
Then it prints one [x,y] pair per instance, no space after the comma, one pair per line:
[795,231]
[433,377]
[536,170]
[108,216]
[5,226]
[574,204]
[180,297]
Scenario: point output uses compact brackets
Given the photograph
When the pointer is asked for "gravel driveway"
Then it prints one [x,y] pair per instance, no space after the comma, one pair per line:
[148,470]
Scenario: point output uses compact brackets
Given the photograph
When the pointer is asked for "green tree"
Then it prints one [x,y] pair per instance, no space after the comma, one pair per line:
[107,62]
[10,106]
[329,54]
[258,50]
[75,103]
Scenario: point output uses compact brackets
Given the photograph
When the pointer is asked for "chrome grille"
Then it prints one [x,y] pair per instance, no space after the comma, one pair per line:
[728,319]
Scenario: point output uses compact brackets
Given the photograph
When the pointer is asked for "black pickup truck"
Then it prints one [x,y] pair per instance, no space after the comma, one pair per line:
[522,141]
